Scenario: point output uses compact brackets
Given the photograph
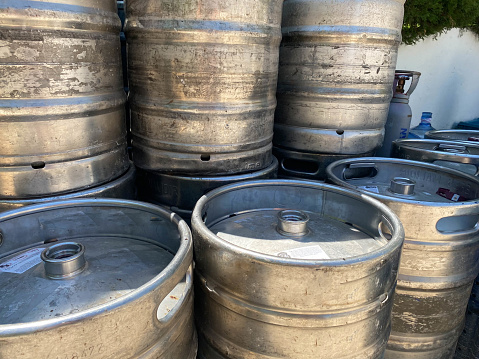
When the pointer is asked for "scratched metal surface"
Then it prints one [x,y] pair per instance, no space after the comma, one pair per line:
[133,299]
[202,78]
[122,187]
[61,97]
[257,294]
[336,71]
[440,257]
[452,135]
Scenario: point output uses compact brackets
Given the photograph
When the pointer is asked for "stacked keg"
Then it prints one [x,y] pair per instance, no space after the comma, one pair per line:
[202,80]
[61,102]
[439,209]
[336,71]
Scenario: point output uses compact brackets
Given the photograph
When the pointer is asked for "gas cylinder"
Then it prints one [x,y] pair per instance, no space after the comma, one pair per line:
[400,114]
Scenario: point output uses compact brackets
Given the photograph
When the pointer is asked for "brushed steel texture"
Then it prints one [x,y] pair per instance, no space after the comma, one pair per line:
[180,193]
[133,298]
[202,78]
[306,165]
[453,135]
[467,345]
[61,97]
[257,298]
[459,155]
[439,257]
[121,187]
[336,71]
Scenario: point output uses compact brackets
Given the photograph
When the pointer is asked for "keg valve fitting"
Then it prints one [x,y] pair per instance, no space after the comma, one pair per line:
[401,185]
[64,260]
[293,223]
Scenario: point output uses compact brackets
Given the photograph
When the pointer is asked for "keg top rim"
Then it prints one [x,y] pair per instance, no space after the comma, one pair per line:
[200,228]
[166,277]
[331,173]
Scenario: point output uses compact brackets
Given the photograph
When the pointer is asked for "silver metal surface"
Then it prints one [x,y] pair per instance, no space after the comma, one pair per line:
[180,193]
[264,294]
[61,97]
[304,165]
[122,187]
[453,135]
[401,185]
[133,298]
[336,71]
[459,155]
[202,81]
[439,257]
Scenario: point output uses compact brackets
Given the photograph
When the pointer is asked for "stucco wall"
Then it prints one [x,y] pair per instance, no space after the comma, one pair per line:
[449,84]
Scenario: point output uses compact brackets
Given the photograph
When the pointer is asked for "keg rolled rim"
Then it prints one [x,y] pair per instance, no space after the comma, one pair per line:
[185,250]
[396,241]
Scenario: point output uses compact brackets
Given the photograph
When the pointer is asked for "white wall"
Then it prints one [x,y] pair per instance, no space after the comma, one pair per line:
[449,84]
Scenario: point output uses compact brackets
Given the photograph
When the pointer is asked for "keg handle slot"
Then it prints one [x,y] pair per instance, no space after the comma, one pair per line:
[300,166]
[385,229]
[360,170]
[174,300]
[451,148]
[459,225]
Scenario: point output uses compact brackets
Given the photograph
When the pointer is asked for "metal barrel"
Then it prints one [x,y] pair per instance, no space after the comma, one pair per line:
[336,71]
[121,187]
[312,166]
[61,97]
[439,210]
[180,193]
[460,155]
[202,81]
[98,278]
[293,269]
[453,135]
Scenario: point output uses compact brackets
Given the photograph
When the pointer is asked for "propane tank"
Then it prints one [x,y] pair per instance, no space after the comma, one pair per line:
[400,114]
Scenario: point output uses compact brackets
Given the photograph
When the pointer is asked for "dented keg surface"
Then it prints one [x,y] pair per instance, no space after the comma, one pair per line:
[462,156]
[439,209]
[121,187]
[96,278]
[293,269]
[202,81]
[453,135]
[61,97]
[295,164]
[336,71]
[180,193]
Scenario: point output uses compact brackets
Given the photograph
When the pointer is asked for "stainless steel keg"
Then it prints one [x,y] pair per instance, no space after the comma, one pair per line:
[462,156]
[180,193]
[439,209]
[336,71]
[95,279]
[61,97]
[453,135]
[295,164]
[293,269]
[202,81]
[121,187]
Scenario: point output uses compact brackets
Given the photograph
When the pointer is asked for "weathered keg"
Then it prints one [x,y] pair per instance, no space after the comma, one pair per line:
[467,343]
[96,279]
[336,71]
[453,135]
[202,81]
[61,97]
[180,193]
[294,164]
[293,269]
[462,156]
[439,209]
[121,187]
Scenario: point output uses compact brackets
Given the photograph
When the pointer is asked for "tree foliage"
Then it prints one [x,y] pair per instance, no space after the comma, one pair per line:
[423,18]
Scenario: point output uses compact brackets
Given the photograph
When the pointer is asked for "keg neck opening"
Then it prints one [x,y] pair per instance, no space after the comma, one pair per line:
[402,186]
[64,260]
[293,223]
